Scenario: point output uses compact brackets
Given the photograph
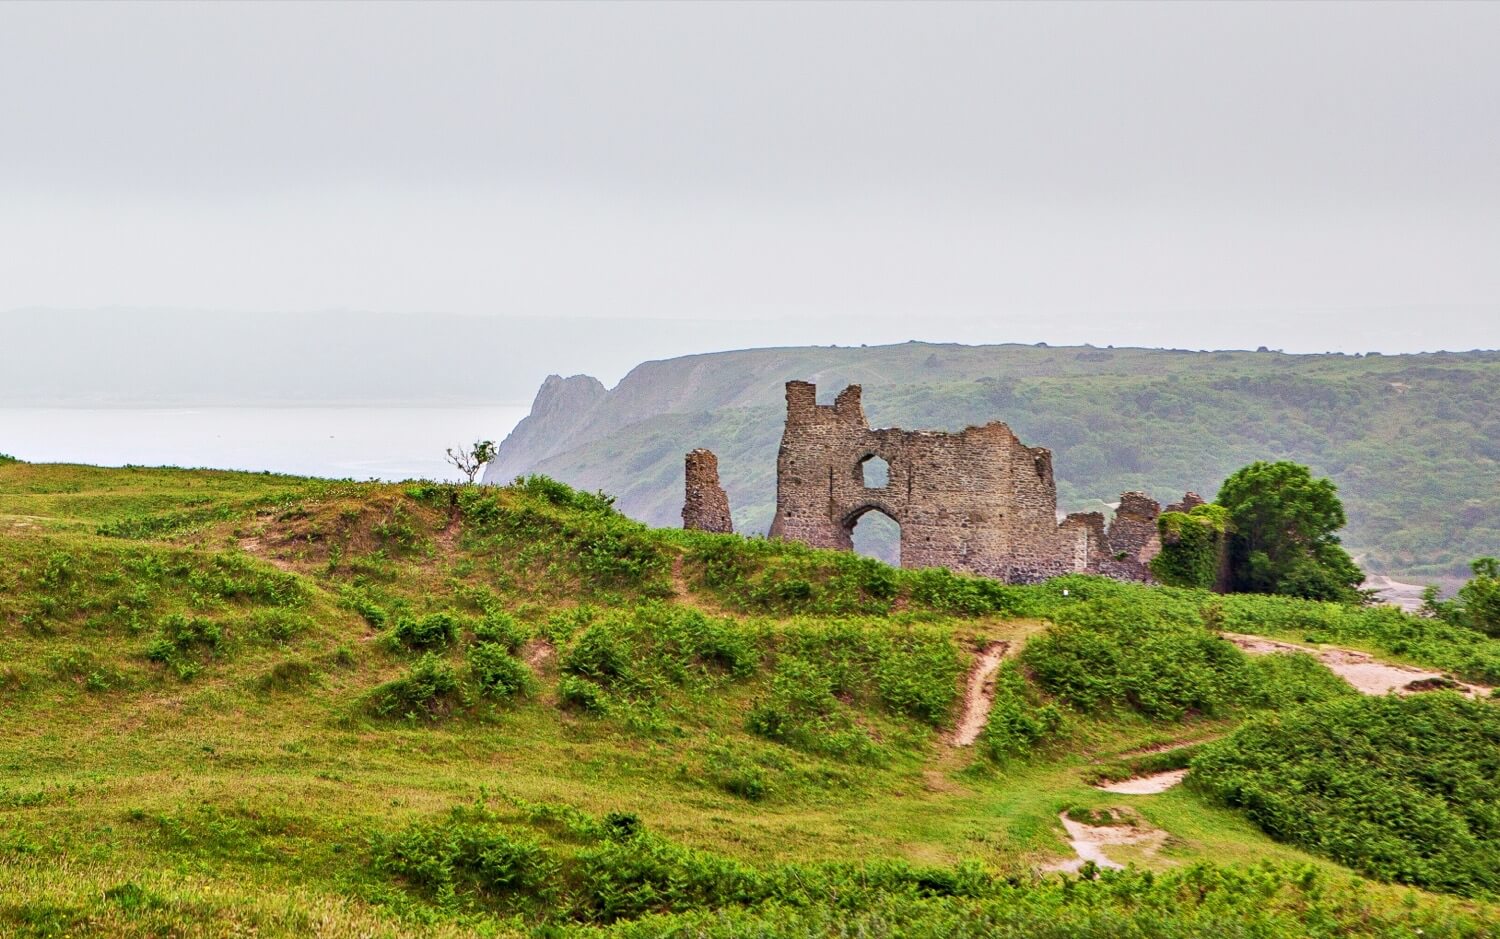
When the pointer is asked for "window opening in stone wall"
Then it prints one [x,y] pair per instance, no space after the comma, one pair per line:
[876,472]
[877,535]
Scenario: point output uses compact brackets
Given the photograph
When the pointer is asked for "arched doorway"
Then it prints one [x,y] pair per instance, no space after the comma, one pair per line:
[875,535]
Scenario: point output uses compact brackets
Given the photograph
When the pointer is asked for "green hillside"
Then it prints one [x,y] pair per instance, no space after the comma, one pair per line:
[240,704]
[1413,441]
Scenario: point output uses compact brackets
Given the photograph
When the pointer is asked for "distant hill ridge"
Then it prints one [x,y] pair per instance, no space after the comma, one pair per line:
[1412,440]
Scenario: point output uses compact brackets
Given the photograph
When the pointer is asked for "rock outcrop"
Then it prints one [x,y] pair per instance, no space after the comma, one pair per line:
[561,407]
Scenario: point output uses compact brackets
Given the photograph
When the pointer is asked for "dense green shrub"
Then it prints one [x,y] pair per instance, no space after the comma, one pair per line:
[800,710]
[1150,657]
[183,641]
[500,628]
[429,688]
[1018,721]
[1477,605]
[277,625]
[497,673]
[582,694]
[1426,640]
[459,855]
[433,631]
[362,603]
[1400,788]
[614,873]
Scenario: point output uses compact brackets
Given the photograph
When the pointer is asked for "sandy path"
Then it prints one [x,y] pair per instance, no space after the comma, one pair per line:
[1366,673]
[1146,785]
[979,694]
[1089,841]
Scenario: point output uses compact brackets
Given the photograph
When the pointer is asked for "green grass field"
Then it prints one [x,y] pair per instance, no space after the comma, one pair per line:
[239,704]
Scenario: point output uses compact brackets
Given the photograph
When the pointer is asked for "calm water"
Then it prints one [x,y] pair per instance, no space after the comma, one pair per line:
[359,443]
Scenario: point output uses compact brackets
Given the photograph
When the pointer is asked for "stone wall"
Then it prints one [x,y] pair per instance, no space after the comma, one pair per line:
[978,501]
[706,507]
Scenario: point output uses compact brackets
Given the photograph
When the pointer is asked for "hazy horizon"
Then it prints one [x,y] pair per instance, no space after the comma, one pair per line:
[1305,177]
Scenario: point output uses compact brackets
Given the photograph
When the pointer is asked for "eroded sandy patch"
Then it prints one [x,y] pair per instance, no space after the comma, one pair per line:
[1366,673]
[979,694]
[1089,841]
[1146,785]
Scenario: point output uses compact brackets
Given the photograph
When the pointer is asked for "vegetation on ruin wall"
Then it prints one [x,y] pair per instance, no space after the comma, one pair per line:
[254,704]
[1191,546]
[1413,442]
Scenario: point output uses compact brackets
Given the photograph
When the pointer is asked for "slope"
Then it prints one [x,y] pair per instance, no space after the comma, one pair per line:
[240,703]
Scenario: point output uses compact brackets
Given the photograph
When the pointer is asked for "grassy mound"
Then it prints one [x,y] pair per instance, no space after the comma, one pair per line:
[240,703]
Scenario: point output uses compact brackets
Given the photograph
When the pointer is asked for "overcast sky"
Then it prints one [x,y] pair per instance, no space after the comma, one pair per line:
[1305,176]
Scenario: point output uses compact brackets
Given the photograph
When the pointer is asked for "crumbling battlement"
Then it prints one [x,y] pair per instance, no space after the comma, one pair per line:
[706,507]
[978,501]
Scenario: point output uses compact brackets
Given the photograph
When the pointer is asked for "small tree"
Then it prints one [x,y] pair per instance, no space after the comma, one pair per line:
[472,460]
[1284,526]
[1477,605]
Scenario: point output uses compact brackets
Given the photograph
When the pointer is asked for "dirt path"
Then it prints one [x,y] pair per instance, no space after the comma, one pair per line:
[979,694]
[1366,673]
[1145,785]
[1089,841]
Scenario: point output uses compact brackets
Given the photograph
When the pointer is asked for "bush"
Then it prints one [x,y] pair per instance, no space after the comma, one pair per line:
[1399,788]
[463,854]
[429,688]
[500,628]
[582,694]
[599,653]
[181,638]
[433,631]
[1140,654]
[496,673]
[1018,721]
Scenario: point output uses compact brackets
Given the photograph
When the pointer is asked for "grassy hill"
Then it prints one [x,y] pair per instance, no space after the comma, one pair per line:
[241,704]
[1413,441]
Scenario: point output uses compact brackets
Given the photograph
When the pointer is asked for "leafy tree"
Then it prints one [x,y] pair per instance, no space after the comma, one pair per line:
[471,461]
[1477,605]
[1284,524]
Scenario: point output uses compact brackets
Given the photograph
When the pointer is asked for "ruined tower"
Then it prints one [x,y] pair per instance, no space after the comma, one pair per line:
[706,507]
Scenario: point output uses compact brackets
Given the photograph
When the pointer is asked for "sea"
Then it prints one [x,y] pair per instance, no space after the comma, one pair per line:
[385,443]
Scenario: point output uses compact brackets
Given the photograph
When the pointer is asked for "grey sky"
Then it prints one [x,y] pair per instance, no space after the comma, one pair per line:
[1309,176]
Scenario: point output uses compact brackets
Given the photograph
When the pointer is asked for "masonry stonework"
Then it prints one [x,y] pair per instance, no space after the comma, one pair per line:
[706,507]
[978,501]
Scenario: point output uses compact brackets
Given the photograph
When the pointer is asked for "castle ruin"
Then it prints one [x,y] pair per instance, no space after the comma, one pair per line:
[705,507]
[978,501]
